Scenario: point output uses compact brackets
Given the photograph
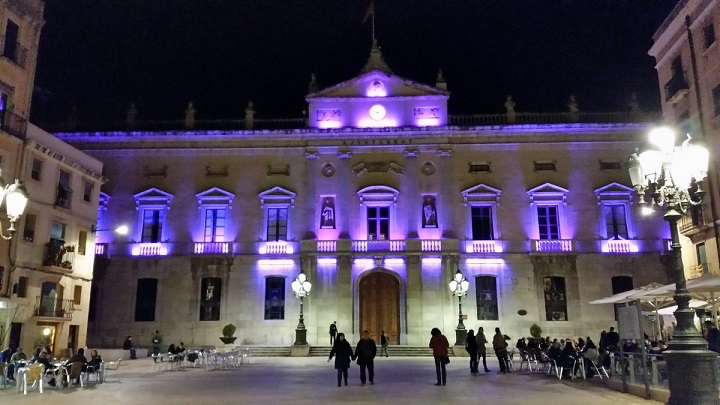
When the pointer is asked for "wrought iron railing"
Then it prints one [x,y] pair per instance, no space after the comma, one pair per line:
[51,307]
[14,52]
[676,84]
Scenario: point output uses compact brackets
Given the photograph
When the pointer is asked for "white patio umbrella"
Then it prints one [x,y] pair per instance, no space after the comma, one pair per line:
[705,288]
[637,295]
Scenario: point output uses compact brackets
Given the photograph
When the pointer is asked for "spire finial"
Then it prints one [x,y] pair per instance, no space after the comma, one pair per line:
[376,61]
[313,85]
[440,82]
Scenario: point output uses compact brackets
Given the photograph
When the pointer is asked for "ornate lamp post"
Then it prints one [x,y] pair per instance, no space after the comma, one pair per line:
[16,198]
[301,287]
[459,287]
[673,176]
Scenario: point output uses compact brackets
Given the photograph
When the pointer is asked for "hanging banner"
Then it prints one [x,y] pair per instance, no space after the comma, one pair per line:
[327,213]
[429,212]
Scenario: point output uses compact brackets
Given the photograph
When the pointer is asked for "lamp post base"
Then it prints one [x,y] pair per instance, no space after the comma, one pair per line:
[460,337]
[691,377]
[300,337]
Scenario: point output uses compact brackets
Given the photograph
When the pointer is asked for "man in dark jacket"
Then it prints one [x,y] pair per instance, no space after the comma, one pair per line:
[612,340]
[365,352]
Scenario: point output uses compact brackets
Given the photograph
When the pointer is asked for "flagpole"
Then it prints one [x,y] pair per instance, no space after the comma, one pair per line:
[373,25]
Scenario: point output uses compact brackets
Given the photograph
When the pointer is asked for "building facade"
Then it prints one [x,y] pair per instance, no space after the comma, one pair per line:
[687,56]
[379,201]
[46,268]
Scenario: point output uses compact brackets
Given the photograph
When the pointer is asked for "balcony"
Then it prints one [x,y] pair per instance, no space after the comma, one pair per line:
[101,249]
[692,222]
[63,197]
[58,257]
[14,52]
[482,246]
[13,124]
[377,246]
[149,249]
[552,245]
[676,88]
[51,308]
[619,246]
[212,248]
[277,248]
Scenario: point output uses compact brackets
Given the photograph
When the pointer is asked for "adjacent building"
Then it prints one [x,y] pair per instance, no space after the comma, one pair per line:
[46,268]
[379,197]
[687,55]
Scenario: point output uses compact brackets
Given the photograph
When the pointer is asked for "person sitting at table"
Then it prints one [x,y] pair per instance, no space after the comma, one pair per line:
[172,349]
[521,344]
[568,358]
[580,344]
[19,357]
[36,354]
[546,344]
[43,359]
[181,348]
[50,355]
[95,359]
[554,352]
[79,357]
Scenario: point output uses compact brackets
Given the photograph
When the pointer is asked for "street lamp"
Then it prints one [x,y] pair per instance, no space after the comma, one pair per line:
[673,176]
[16,198]
[301,287]
[120,230]
[459,287]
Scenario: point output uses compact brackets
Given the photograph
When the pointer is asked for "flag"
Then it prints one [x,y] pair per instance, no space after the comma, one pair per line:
[370,11]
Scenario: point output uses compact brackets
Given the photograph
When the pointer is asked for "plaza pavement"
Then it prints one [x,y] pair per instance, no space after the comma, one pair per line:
[295,381]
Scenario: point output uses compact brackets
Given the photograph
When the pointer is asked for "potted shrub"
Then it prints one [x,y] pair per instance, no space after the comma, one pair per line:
[228,332]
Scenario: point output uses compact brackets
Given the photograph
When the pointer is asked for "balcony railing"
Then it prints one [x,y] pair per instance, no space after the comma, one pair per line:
[378,246]
[14,52]
[481,246]
[13,124]
[149,249]
[212,248]
[619,246]
[327,246]
[58,256]
[553,245]
[276,248]
[51,307]
[431,245]
[676,87]
[101,249]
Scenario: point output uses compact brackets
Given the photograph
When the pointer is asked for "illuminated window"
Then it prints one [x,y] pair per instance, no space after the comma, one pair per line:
[482,201]
[615,221]
[547,202]
[277,224]
[614,200]
[378,206]
[215,205]
[276,204]
[274,298]
[548,222]
[378,223]
[152,205]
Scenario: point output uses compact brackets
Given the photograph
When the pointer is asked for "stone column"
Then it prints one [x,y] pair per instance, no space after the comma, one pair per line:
[311,173]
[409,188]
[345,194]
[446,193]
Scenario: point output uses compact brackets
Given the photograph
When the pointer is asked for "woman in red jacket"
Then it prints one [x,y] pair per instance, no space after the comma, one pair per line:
[439,344]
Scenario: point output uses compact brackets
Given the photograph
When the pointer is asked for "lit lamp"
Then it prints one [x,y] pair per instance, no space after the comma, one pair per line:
[16,198]
[301,287]
[672,177]
[459,286]
[120,230]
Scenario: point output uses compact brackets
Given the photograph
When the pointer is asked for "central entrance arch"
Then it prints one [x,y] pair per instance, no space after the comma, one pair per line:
[379,296]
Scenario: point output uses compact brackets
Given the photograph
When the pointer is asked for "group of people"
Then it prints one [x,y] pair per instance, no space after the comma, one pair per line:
[476,346]
[383,339]
[43,355]
[364,352]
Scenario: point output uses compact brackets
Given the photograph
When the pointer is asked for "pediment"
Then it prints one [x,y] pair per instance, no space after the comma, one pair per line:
[378,193]
[378,84]
[215,194]
[153,194]
[481,192]
[548,192]
[614,192]
[277,195]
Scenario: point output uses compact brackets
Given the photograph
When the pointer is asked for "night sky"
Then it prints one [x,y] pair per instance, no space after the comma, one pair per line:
[100,55]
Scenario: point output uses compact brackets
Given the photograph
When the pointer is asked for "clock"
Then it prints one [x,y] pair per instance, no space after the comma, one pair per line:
[377,112]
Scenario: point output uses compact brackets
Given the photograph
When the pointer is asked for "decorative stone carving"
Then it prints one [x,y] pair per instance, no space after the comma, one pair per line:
[377,167]
[190,116]
[328,170]
[427,168]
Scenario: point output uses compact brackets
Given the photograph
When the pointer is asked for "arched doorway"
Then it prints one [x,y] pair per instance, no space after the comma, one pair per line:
[379,295]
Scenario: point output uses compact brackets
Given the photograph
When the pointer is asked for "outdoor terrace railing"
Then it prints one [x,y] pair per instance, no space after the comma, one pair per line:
[212,248]
[50,307]
[378,246]
[553,245]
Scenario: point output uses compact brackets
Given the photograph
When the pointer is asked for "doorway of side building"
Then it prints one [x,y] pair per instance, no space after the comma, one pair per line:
[379,296]
[45,336]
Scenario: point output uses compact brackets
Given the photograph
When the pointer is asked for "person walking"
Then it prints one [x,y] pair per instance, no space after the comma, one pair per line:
[365,353]
[439,345]
[383,344]
[500,347]
[343,356]
[156,342]
[471,347]
[333,332]
[482,348]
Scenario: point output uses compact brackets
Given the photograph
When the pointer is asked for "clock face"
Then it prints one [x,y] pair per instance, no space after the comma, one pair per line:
[377,112]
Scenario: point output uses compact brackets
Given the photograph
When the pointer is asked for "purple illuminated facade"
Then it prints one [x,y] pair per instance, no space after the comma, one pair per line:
[377,193]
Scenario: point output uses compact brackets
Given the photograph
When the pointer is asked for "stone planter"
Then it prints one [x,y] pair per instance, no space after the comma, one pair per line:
[228,340]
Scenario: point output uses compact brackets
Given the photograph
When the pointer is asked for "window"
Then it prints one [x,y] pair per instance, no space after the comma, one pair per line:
[77,295]
[676,66]
[614,200]
[555,299]
[57,231]
[709,35]
[486,298]
[545,166]
[210,295]
[29,229]
[277,221]
[63,190]
[378,223]
[36,170]
[716,99]
[87,191]
[696,215]
[482,222]
[145,300]
[152,225]
[276,204]
[10,48]
[215,224]
[82,242]
[22,287]
[701,257]
[152,205]
[621,284]
[610,165]
[482,201]
[615,222]
[479,167]
[548,224]
[275,298]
